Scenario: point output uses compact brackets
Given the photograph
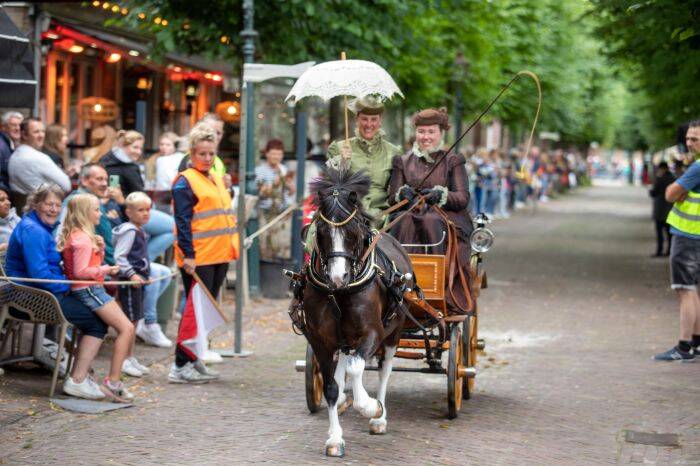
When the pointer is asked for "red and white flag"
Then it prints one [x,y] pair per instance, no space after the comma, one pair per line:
[198,321]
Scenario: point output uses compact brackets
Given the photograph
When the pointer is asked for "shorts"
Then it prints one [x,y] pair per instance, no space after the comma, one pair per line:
[81,316]
[131,300]
[685,262]
[94,297]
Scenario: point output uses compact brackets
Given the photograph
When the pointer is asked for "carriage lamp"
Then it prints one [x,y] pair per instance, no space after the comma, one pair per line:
[481,239]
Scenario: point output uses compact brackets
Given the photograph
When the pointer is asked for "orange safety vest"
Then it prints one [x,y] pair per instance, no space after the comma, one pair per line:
[214,235]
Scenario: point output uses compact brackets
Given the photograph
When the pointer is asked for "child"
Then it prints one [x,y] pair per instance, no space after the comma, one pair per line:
[131,256]
[83,253]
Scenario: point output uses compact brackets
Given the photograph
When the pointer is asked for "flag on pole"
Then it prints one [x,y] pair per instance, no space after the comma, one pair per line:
[198,321]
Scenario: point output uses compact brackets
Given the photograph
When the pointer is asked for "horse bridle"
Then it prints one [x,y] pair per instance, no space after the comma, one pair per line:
[355,263]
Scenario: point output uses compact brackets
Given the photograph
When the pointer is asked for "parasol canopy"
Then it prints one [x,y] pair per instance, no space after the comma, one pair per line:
[357,78]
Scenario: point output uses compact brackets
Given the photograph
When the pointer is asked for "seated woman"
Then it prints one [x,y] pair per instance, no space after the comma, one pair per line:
[32,254]
[447,187]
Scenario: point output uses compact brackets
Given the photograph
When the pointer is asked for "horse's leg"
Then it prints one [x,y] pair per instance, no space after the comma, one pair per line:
[366,405]
[378,425]
[339,376]
[335,445]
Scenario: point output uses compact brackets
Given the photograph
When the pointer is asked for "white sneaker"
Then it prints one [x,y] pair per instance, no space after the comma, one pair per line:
[151,334]
[212,357]
[85,389]
[130,369]
[117,391]
[135,363]
[204,370]
[187,374]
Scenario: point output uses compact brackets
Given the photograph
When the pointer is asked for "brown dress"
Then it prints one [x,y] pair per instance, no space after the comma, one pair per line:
[426,225]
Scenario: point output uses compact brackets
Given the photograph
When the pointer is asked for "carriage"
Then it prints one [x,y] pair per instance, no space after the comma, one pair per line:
[431,332]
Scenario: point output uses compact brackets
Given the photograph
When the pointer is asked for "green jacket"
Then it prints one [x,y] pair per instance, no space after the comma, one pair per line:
[375,157]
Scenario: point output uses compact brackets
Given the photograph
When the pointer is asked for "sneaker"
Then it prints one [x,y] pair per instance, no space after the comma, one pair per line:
[187,374]
[86,389]
[151,334]
[116,391]
[212,357]
[674,354]
[130,369]
[135,363]
[204,370]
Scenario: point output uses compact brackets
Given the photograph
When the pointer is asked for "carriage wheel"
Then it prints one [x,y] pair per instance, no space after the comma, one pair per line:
[470,342]
[313,381]
[454,381]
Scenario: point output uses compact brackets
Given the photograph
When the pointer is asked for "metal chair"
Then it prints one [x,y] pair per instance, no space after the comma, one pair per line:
[40,307]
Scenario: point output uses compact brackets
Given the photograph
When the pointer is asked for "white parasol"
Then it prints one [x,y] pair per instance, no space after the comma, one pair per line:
[357,78]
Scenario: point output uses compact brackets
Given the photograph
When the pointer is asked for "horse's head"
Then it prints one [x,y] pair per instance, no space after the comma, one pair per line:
[341,223]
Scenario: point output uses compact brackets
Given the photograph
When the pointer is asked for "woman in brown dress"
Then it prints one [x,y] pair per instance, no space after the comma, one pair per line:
[447,188]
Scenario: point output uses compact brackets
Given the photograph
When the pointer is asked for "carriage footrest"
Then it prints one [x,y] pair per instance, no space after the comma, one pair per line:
[409,355]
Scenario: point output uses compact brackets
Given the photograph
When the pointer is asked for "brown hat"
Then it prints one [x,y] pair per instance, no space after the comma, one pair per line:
[432,116]
[369,105]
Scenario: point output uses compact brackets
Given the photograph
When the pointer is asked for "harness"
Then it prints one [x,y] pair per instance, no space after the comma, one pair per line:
[364,272]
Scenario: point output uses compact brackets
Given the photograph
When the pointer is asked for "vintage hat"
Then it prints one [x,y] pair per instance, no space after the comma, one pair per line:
[369,105]
[432,116]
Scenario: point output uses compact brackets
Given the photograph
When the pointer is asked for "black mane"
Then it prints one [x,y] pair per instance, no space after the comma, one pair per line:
[351,187]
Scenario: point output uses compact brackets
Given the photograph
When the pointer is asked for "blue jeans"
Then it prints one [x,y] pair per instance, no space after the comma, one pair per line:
[160,229]
[152,292]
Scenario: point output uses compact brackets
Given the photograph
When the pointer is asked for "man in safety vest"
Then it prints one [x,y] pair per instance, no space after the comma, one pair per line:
[684,219]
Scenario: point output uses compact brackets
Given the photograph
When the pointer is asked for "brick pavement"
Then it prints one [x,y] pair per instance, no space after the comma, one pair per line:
[574,312]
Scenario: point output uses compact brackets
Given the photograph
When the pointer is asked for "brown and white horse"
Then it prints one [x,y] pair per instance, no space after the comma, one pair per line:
[351,315]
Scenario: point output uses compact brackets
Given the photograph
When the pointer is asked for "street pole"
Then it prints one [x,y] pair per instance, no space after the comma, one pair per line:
[249,34]
[245,162]
[297,219]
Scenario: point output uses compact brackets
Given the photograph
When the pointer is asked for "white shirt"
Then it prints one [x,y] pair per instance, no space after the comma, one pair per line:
[166,170]
[28,168]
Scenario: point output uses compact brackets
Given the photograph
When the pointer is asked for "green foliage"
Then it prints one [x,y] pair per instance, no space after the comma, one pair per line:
[659,41]
[417,40]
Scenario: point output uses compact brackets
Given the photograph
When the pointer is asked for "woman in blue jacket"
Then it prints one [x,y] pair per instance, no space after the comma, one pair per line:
[32,253]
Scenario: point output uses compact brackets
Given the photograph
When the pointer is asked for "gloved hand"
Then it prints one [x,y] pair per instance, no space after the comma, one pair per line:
[432,196]
[407,193]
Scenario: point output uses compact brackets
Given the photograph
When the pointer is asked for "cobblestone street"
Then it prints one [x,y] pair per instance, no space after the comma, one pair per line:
[574,311]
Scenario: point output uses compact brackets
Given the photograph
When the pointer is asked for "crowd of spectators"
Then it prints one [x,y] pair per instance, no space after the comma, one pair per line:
[500,183]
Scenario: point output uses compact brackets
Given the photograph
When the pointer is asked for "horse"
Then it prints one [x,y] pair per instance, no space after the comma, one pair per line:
[353,311]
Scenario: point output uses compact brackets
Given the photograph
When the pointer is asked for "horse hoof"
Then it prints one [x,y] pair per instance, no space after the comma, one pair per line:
[335,451]
[345,406]
[377,428]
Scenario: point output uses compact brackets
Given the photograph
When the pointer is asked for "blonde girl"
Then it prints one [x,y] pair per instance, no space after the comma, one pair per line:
[83,254]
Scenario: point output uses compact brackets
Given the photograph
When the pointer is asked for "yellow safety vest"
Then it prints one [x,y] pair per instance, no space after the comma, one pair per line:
[685,216]
[214,236]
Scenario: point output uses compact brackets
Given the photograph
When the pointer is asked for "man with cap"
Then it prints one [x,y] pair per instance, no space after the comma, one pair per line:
[368,150]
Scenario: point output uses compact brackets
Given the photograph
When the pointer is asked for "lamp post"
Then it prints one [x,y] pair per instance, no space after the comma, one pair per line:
[459,76]
[249,34]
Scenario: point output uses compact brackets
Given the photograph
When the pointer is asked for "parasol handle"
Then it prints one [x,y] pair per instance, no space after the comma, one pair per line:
[345,100]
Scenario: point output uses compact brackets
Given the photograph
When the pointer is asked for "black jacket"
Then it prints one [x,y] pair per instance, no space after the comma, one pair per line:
[129,173]
[658,192]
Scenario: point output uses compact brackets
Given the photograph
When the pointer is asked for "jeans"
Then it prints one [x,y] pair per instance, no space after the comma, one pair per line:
[489,201]
[160,230]
[152,292]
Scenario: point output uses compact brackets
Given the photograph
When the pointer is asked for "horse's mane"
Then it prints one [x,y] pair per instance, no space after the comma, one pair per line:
[345,182]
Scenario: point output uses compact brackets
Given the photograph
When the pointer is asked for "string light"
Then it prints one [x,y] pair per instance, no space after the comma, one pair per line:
[105,5]
[95,3]
[125,11]
[164,22]
[224,39]
[157,20]
[142,15]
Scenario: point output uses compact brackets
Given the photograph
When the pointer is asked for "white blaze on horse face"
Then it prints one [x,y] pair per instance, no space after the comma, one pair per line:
[338,267]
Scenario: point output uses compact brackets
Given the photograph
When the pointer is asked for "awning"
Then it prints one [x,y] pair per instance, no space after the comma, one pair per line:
[17,83]
[197,62]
